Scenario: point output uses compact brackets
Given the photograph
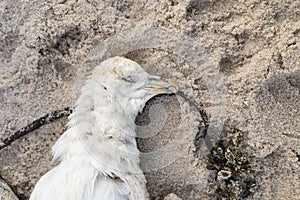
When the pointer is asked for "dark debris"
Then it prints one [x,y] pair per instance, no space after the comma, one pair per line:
[234,177]
[46,119]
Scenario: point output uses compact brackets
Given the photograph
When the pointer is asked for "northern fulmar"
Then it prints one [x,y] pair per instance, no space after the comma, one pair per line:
[98,153]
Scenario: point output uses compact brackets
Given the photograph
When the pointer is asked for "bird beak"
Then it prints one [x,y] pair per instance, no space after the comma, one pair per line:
[159,86]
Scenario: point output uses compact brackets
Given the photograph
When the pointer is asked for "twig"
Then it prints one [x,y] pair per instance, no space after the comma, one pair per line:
[204,118]
[46,119]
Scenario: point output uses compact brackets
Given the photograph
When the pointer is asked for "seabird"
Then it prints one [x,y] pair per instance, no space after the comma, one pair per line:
[98,153]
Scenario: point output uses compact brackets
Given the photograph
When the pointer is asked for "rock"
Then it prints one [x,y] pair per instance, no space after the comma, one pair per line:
[5,192]
[172,197]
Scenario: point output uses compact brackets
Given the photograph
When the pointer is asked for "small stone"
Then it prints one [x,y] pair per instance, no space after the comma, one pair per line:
[230,157]
[224,174]
[172,196]
[5,191]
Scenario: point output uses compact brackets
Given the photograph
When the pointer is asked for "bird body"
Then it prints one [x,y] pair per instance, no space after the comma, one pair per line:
[98,153]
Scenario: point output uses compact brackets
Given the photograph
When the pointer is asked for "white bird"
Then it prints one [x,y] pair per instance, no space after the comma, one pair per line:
[98,153]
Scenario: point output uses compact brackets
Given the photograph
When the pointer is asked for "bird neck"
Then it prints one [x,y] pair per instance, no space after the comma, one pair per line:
[98,117]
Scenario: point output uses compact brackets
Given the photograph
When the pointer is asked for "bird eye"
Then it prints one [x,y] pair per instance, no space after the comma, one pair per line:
[128,79]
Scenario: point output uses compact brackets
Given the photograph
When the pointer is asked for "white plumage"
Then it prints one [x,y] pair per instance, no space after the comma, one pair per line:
[98,153]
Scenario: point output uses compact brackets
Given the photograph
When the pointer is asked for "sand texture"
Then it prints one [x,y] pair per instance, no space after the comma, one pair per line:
[238,60]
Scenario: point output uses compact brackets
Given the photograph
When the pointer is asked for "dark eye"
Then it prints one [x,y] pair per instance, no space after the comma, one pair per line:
[128,79]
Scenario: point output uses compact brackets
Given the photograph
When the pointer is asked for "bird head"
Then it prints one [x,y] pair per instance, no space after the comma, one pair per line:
[125,79]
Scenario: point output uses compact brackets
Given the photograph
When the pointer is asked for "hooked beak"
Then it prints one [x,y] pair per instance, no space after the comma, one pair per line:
[159,86]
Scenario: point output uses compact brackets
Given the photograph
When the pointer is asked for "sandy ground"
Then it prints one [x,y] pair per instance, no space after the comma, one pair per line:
[239,60]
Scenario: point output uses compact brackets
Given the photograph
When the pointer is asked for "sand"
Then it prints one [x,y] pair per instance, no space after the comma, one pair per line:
[239,60]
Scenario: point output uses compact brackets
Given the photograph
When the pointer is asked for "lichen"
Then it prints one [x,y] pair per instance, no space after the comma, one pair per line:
[234,177]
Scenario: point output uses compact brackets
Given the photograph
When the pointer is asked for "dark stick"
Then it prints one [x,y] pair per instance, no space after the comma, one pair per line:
[204,118]
[198,107]
[46,119]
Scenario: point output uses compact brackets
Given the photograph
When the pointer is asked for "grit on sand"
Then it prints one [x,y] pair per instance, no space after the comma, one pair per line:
[249,58]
